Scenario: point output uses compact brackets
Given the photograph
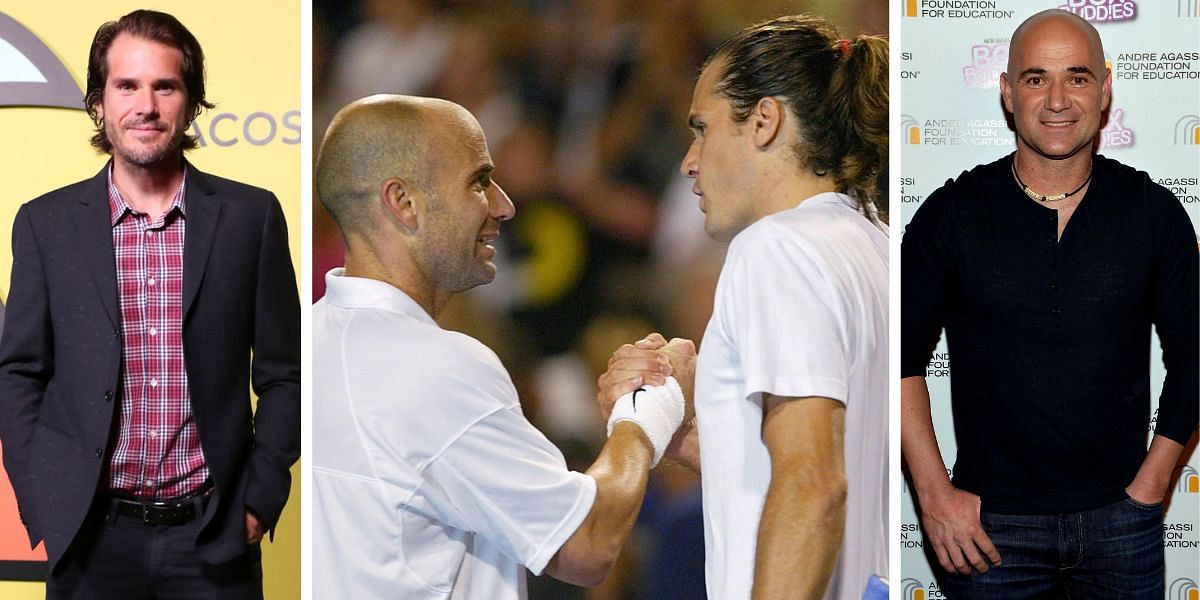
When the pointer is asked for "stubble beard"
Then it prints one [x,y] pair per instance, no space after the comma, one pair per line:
[145,156]
[443,259]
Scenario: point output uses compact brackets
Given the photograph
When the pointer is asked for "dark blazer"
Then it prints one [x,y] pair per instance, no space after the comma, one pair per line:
[60,356]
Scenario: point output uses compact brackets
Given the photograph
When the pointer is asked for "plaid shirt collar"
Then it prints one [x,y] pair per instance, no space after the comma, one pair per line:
[118,207]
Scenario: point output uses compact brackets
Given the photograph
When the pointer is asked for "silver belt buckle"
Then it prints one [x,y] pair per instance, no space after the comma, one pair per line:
[146,511]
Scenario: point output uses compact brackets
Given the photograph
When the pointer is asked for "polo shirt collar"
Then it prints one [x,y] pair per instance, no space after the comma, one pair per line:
[840,199]
[831,198]
[359,292]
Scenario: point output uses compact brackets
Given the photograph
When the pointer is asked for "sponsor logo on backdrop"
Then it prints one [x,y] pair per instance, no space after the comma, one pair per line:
[988,60]
[956,132]
[958,9]
[939,365]
[1164,65]
[1185,187]
[911,128]
[1187,130]
[910,535]
[1183,589]
[913,589]
[1181,534]
[1102,11]
[1116,134]
[907,196]
[906,73]
[30,74]
[1189,481]
[257,128]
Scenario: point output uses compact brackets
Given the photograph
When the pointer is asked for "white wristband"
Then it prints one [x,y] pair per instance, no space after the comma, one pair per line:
[658,410]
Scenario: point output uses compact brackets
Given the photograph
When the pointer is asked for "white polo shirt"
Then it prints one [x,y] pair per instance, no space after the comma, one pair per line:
[428,481]
[800,310]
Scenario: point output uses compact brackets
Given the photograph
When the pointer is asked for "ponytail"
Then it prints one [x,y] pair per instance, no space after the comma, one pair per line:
[836,89]
[858,94]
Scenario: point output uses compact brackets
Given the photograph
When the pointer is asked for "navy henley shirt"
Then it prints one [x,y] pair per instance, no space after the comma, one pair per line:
[1049,340]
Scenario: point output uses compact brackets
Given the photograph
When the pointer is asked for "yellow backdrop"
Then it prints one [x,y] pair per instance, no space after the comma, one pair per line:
[253,136]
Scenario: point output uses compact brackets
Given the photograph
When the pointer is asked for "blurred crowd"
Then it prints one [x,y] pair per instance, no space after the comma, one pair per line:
[584,104]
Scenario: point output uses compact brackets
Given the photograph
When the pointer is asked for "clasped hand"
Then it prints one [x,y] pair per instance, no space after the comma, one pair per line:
[650,361]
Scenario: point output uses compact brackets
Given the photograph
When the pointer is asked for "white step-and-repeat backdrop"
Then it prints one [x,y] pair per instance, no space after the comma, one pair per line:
[952,54]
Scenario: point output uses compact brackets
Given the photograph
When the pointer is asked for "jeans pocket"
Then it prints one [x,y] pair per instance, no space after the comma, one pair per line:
[985,521]
[1143,506]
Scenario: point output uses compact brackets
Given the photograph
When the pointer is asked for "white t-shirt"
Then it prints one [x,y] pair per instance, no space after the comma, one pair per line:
[800,310]
[428,482]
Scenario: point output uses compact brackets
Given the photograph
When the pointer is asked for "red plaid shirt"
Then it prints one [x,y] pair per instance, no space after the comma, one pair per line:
[157,454]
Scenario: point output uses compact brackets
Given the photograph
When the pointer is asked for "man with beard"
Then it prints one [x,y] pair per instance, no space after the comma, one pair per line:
[128,352]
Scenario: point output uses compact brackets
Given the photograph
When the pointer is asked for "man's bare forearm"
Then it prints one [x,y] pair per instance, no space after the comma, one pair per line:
[1150,483]
[621,472]
[684,450]
[919,441]
[949,516]
[804,513]
[799,538]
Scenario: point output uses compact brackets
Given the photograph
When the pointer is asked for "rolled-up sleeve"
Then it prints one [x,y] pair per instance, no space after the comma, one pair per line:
[1174,312]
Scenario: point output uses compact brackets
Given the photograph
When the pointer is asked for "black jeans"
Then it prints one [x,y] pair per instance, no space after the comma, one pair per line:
[1112,552]
[120,558]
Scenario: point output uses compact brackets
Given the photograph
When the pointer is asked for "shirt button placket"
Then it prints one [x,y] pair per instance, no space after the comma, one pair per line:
[1055,300]
[151,365]
[1055,307]
[1055,297]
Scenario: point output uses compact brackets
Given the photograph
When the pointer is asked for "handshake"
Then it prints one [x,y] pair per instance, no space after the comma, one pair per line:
[650,384]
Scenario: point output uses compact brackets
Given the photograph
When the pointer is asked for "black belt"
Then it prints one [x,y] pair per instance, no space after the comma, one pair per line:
[168,512]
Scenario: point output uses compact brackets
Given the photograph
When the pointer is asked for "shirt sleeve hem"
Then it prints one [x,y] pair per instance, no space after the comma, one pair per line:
[914,367]
[1180,433]
[567,527]
[799,387]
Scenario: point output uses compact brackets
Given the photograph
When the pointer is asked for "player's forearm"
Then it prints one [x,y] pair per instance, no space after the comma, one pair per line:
[685,448]
[621,472]
[1154,475]
[799,536]
[919,441]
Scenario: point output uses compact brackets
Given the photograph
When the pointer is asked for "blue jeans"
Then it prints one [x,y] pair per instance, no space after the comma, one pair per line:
[1114,551]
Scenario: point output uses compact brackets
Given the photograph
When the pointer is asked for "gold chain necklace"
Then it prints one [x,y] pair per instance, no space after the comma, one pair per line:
[1040,198]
